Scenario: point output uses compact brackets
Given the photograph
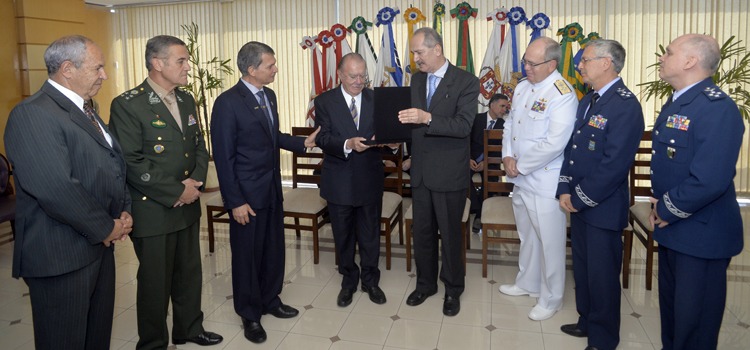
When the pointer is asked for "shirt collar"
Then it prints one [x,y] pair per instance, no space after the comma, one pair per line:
[70,94]
[160,91]
[440,73]
[252,87]
[683,90]
[606,87]
[348,97]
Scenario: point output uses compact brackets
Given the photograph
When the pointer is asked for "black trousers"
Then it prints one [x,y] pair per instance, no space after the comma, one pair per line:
[441,211]
[258,262]
[74,310]
[357,225]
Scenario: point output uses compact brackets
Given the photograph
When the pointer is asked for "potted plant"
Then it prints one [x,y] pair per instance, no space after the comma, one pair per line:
[733,80]
[205,78]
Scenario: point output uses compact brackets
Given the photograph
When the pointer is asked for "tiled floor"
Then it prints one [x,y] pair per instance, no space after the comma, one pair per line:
[488,319]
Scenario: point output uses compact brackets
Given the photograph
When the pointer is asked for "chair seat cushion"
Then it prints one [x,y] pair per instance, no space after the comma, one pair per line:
[498,211]
[640,212]
[303,200]
[390,204]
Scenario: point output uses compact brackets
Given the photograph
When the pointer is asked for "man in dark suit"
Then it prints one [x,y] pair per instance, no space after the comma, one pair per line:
[352,177]
[246,140]
[492,119]
[696,142]
[444,101]
[157,125]
[72,201]
[593,188]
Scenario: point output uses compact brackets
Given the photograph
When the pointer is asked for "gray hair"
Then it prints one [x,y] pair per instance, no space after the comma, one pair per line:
[431,37]
[68,48]
[611,49]
[552,49]
[159,46]
[707,50]
[353,56]
[251,55]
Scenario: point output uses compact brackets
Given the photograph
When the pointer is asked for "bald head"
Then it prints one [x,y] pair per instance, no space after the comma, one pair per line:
[705,48]
[689,59]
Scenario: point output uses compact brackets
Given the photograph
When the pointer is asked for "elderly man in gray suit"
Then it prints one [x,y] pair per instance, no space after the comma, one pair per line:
[72,201]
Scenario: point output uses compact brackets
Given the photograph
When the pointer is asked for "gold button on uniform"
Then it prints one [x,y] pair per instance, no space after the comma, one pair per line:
[186,173]
[159,138]
[186,155]
[144,198]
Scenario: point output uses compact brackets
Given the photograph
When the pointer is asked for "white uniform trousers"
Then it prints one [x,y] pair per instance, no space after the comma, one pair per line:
[541,261]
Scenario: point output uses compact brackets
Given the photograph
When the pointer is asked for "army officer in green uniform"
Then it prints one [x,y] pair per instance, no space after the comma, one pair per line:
[157,126]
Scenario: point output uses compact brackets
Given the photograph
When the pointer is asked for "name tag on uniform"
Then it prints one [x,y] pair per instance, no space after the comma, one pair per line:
[679,122]
[598,121]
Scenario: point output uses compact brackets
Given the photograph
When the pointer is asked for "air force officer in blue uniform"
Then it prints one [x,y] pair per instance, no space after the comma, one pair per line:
[697,139]
[593,187]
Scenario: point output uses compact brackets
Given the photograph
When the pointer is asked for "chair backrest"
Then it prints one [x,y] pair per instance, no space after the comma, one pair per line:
[493,174]
[640,172]
[394,175]
[6,188]
[306,166]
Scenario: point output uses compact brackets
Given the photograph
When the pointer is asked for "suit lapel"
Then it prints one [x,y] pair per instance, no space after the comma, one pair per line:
[158,107]
[343,114]
[253,107]
[443,87]
[75,114]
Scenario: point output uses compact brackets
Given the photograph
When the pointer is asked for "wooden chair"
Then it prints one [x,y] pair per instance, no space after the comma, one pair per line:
[306,203]
[392,206]
[465,232]
[215,213]
[7,196]
[497,211]
[640,185]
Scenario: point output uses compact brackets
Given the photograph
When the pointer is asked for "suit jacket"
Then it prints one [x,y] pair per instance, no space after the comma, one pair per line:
[357,178]
[159,158]
[696,142]
[70,185]
[599,155]
[440,151]
[245,153]
[477,133]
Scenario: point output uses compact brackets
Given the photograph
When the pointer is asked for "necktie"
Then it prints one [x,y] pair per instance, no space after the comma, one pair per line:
[90,113]
[262,101]
[594,98]
[431,88]
[171,103]
[492,125]
[355,115]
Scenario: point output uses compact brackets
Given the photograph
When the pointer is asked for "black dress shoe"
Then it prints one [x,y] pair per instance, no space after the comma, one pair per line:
[205,338]
[591,348]
[284,311]
[572,329]
[376,294]
[254,332]
[345,297]
[451,306]
[416,297]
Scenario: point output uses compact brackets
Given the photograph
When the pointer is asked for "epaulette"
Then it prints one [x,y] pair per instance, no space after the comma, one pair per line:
[714,93]
[562,87]
[127,95]
[624,93]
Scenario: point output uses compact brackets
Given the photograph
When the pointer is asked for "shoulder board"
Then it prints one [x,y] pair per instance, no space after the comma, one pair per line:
[130,94]
[624,93]
[714,93]
[562,87]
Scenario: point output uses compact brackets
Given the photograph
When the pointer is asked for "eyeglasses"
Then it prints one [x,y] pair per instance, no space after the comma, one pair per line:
[587,60]
[362,77]
[532,65]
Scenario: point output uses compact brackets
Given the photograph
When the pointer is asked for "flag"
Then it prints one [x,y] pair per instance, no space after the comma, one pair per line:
[364,46]
[516,16]
[567,66]
[538,23]
[438,12]
[328,59]
[463,12]
[389,71]
[490,72]
[341,44]
[412,15]
[308,42]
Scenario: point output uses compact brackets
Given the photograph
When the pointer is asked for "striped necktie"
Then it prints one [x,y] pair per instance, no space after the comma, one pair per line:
[353,110]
